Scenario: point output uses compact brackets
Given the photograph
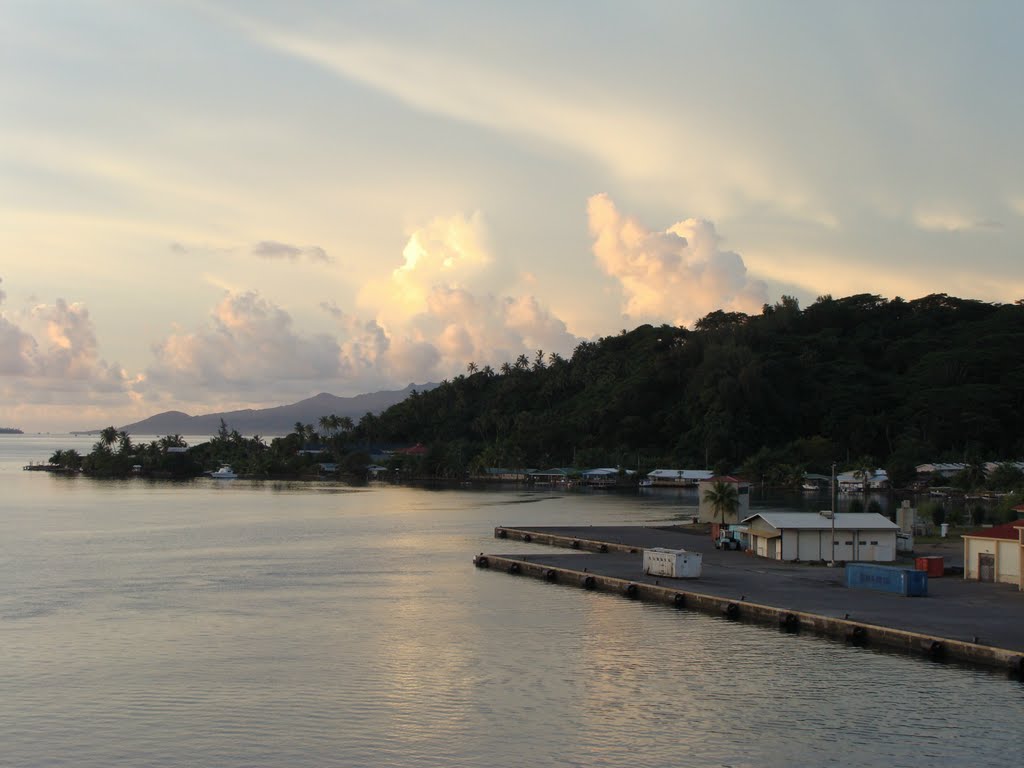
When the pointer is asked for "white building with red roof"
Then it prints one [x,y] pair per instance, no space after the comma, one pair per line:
[995,554]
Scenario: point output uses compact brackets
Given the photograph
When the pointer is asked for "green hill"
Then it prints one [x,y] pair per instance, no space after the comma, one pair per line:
[858,379]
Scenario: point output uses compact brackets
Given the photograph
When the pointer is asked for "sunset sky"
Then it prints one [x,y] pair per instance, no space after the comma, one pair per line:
[216,204]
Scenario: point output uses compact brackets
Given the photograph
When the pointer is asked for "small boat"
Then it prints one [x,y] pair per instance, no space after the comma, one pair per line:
[810,486]
[224,473]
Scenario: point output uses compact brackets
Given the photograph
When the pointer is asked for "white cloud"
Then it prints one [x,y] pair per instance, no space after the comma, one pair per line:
[1017,205]
[17,349]
[675,276]
[940,220]
[667,145]
[50,351]
[443,83]
[424,319]
[450,250]
[247,344]
[442,296]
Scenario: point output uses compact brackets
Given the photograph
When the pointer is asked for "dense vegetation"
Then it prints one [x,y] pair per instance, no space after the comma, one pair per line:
[862,381]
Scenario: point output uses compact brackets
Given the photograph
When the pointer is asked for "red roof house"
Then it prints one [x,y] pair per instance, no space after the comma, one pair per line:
[414,450]
[995,554]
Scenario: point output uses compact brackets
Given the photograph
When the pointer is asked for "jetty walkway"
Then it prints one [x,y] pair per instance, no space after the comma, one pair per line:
[958,620]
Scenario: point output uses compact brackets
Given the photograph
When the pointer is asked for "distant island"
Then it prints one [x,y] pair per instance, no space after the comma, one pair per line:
[268,421]
[10,431]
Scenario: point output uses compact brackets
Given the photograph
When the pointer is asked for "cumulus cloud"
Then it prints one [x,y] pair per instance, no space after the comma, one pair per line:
[363,343]
[424,320]
[439,307]
[17,349]
[448,251]
[676,276]
[247,343]
[52,349]
[488,328]
[271,249]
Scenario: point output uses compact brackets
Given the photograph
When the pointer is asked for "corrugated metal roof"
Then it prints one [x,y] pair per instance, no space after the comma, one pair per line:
[809,521]
[725,479]
[681,474]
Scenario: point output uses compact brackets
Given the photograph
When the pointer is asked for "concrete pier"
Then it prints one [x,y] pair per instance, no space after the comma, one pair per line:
[962,621]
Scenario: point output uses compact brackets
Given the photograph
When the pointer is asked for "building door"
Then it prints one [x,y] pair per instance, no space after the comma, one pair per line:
[986,567]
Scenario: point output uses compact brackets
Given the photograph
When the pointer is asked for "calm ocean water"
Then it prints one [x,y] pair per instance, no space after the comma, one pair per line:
[312,624]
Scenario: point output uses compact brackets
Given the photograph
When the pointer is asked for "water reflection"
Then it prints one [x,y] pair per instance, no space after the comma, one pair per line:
[305,625]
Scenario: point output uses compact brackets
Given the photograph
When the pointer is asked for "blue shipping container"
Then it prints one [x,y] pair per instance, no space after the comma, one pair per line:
[886,578]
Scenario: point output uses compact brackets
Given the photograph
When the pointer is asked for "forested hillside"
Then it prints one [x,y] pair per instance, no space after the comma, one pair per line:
[858,380]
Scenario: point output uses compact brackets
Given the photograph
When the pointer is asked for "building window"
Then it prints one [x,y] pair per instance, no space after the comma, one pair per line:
[874,543]
[849,543]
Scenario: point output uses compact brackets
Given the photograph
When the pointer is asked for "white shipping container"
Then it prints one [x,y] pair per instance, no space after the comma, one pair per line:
[673,563]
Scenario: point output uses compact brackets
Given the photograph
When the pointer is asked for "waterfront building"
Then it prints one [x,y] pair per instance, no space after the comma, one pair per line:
[859,536]
[679,477]
[995,554]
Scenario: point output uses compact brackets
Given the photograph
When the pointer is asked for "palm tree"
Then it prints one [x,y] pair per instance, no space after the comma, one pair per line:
[109,436]
[72,459]
[345,424]
[723,497]
[973,474]
[471,368]
[173,441]
[522,363]
[506,368]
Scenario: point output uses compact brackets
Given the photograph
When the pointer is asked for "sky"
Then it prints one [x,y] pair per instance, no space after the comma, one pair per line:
[217,204]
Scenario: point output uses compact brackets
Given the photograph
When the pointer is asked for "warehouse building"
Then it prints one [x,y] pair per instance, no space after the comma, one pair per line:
[806,536]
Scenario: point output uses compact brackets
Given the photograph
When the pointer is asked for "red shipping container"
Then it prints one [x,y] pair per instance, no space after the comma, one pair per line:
[933,565]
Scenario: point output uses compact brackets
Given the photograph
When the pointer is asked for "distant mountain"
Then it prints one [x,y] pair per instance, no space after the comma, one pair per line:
[272,421]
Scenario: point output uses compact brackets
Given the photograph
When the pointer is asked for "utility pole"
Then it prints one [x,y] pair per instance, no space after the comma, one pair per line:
[832,499]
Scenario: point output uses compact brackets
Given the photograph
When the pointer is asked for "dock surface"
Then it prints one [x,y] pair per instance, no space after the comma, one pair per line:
[977,622]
